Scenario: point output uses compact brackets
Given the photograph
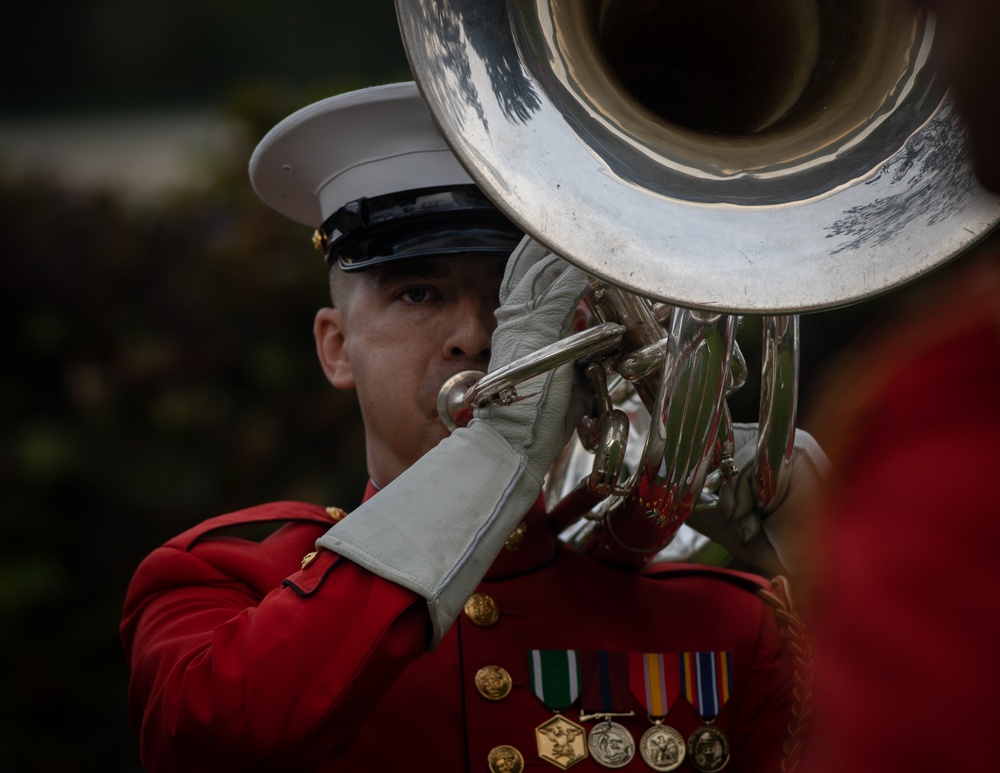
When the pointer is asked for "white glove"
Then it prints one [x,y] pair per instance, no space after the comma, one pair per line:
[538,299]
[775,539]
[437,528]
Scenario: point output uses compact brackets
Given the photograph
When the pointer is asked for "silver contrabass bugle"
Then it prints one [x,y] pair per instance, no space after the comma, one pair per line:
[701,161]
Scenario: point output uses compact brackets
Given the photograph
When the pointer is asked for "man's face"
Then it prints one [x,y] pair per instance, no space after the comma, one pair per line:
[397,334]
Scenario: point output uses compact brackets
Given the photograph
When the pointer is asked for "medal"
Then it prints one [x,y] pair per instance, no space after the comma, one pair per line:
[605,694]
[656,682]
[555,681]
[611,744]
[707,680]
[708,749]
[560,742]
[662,747]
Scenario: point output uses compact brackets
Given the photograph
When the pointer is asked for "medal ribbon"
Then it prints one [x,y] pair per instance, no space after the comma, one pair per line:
[604,686]
[654,680]
[707,680]
[555,677]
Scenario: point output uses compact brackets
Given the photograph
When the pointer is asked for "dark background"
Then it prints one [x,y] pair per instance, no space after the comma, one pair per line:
[158,359]
[64,55]
[158,364]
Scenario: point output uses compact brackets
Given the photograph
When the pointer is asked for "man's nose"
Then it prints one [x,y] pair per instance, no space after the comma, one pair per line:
[471,333]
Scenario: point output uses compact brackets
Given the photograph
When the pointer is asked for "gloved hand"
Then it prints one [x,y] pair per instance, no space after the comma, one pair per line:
[538,298]
[774,538]
[437,528]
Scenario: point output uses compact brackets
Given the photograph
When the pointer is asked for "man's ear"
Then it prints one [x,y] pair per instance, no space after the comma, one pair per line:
[330,331]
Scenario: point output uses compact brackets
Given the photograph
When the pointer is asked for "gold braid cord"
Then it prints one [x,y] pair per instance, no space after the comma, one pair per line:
[779,596]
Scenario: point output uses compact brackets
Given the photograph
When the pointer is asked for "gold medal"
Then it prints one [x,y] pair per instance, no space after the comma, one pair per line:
[611,744]
[560,742]
[662,747]
[555,681]
[708,749]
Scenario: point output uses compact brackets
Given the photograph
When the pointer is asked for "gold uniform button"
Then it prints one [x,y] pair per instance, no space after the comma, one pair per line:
[308,558]
[482,610]
[516,537]
[335,513]
[505,759]
[493,682]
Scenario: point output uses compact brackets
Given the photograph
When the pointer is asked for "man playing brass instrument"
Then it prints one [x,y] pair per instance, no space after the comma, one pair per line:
[442,625]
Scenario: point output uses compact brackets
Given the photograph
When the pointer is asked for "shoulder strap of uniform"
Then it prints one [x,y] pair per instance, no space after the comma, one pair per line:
[277,513]
[745,580]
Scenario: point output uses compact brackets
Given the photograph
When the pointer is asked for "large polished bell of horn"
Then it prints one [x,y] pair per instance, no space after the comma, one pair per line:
[773,156]
[700,160]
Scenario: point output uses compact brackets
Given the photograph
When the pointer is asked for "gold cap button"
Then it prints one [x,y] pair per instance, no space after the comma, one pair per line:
[505,759]
[493,682]
[482,610]
[319,240]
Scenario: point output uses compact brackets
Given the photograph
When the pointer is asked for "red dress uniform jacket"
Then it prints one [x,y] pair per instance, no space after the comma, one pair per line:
[243,661]
[907,622]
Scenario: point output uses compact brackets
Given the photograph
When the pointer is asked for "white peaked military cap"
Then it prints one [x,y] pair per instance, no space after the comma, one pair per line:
[370,171]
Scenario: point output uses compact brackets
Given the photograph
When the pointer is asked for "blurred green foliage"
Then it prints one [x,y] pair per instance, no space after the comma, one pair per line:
[159,369]
[159,364]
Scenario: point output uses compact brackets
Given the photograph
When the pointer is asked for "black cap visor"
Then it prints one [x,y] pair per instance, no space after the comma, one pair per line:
[425,223]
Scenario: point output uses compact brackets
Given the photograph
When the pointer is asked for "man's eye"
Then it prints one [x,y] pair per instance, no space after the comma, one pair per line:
[415,294]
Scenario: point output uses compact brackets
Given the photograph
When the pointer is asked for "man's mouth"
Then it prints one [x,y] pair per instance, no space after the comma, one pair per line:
[452,408]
